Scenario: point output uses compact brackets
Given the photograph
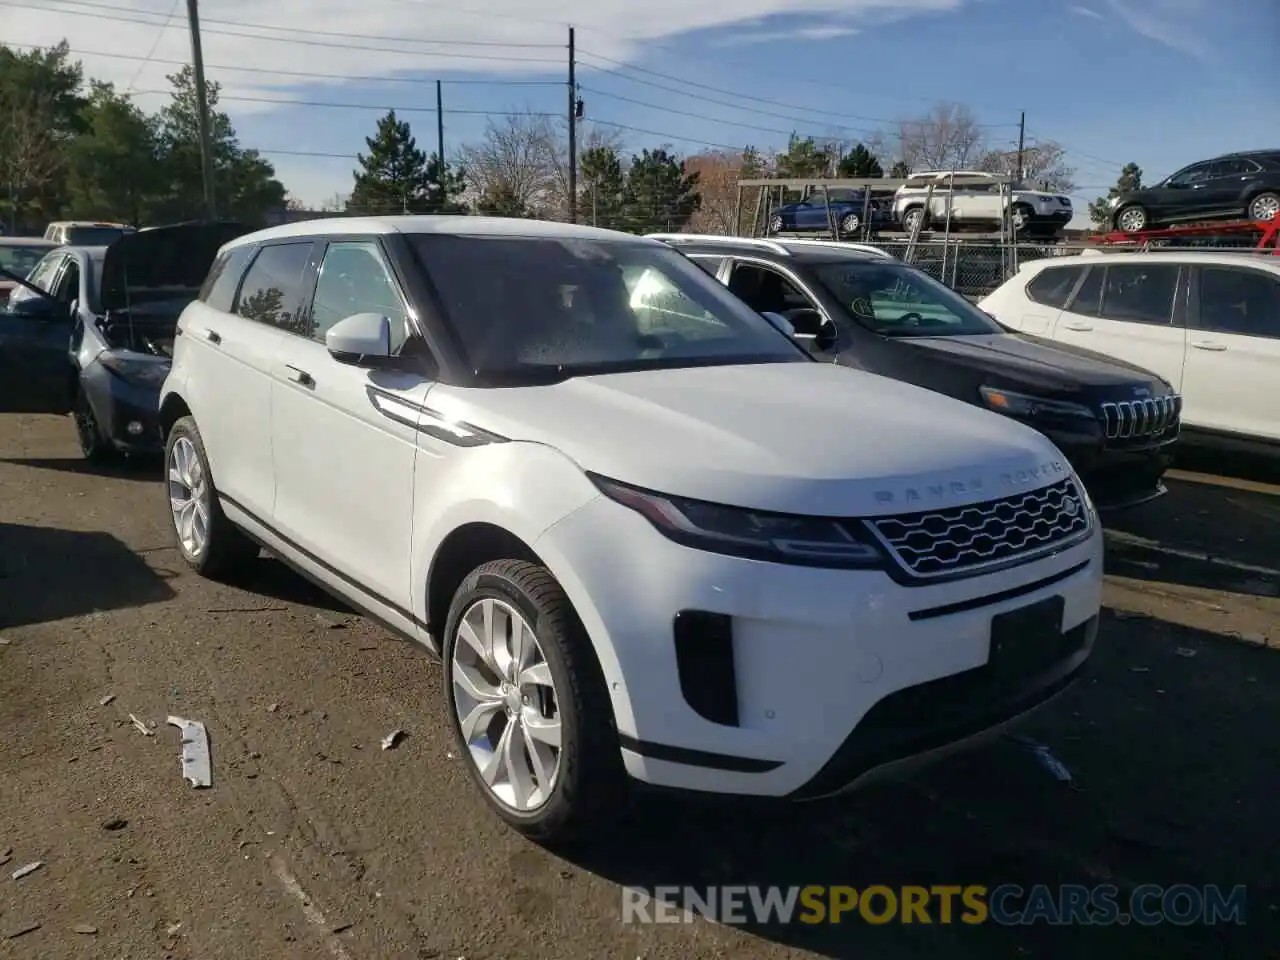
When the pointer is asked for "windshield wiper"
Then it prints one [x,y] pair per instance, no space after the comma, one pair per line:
[525,377]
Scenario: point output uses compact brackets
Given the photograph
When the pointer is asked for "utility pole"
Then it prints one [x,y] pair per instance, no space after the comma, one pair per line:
[202,105]
[573,133]
[440,132]
[1022,135]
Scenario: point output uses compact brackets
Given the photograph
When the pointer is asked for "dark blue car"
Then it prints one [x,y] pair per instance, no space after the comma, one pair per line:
[847,210]
[91,331]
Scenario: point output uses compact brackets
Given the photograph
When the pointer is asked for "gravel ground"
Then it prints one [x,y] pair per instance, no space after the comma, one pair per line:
[314,842]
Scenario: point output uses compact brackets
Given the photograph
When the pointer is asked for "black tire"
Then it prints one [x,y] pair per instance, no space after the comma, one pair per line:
[227,550]
[94,446]
[591,786]
[909,214]
[1027,214]
[1131,212]
[1269,199]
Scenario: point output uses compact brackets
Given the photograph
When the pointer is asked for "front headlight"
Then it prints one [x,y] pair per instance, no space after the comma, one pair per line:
[752,534]
[144,373]
[1022,405]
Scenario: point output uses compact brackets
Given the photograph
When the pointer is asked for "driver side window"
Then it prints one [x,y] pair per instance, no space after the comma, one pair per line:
[354,279]
[43,273]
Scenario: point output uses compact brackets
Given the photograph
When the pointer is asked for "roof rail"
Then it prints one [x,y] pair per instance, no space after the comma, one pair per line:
[841,245]
[771,245]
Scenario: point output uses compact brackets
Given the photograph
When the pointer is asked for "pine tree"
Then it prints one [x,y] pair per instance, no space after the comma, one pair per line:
[396,177]
[860,163]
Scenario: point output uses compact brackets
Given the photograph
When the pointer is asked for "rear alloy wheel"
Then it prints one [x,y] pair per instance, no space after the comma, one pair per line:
[1020,217]
[95,447]
[209,542]
[1265,206]
[849,223]
[528,703]
[1132,219]
[775,223]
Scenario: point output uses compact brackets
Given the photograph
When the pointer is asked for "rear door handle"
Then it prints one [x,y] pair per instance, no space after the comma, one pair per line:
[213,336]
[1078,326]
[299,376]
[1209,345]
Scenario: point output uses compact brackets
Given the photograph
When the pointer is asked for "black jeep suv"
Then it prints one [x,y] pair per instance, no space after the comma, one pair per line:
[864,309]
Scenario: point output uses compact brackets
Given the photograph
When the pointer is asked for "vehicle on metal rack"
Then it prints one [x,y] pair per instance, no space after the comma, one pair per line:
[568,461]
[973,198]
[1207,321]
[85,233]
[1236,186]
[843,209]
[889,318]
[18,255]
[90,330]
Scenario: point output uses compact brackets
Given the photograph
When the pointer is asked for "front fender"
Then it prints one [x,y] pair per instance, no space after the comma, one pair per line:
[522,488]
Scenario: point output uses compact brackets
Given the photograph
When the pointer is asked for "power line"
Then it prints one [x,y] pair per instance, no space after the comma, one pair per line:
[92,5]
[155,44]
[302,74]
[735,123]
[296,40]
[330,104]
[742,96]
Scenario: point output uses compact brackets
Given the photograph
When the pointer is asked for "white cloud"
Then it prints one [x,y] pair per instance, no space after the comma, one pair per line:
[616,29]
[1171,23]
[1086,12]
[820,31]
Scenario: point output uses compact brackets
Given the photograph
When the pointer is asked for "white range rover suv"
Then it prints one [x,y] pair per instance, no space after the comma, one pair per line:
[976,199]
[650,538]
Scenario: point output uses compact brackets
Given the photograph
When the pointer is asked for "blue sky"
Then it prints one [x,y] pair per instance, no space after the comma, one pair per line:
[1159,82]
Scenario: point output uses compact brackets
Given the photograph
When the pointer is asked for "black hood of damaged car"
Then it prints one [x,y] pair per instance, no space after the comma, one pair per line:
[162,263]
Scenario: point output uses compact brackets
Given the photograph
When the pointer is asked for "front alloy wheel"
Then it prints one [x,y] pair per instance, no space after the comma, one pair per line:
[93,445]
[1132,219]
[775,224]
[849,223]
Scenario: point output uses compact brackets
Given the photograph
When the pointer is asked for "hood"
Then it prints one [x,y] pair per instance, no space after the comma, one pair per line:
[162,263]
[806,438]
[1014,361]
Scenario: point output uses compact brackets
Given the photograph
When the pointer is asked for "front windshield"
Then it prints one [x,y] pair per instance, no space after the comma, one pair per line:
[896,300]
[534,308]
[19,260]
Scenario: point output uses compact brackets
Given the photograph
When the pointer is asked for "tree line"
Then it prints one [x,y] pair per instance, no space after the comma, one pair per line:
[75,148]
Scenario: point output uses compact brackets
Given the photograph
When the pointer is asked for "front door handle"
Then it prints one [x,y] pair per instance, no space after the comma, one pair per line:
[1078,326]
[213,336]
[299,376]
[1208,345]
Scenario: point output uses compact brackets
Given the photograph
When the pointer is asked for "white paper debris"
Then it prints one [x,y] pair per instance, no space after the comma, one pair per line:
[30,868]
[107,699]
[196,765]
[141,727]
[390,741]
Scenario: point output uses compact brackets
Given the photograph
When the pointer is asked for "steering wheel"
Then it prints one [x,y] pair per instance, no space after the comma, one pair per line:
[911,319]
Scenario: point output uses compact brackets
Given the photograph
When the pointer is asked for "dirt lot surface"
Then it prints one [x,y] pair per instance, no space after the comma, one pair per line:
[314,842]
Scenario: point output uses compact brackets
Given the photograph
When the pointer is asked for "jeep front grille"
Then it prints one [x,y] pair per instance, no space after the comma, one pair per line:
[1141,419]
[938,543]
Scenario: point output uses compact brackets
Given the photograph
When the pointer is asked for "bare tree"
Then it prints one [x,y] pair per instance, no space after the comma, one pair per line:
[32,155]
[948,137]
[590,137]
[718,174]
[336,203]
[1044,165]
[516,159]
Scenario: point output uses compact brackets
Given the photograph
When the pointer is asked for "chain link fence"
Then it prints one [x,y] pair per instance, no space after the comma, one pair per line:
[973,269]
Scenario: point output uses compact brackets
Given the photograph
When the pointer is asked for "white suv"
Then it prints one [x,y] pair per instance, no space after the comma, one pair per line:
[607,493]
[976,199]
[1206,321]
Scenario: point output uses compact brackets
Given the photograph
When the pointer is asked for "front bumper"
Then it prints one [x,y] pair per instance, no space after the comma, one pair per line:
[128,413]
[1116,479]
[815,677]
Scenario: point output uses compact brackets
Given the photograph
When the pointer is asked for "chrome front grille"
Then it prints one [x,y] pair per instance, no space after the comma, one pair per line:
[1141,419]
[938,543]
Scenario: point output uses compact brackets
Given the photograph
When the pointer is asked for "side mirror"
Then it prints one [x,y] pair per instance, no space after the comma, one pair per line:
[781,323]
[361,335]
[30,307]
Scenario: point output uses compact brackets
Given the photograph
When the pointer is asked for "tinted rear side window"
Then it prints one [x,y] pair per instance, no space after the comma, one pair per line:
[219,290]
[272,289]
[1052,286]
[709,264]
